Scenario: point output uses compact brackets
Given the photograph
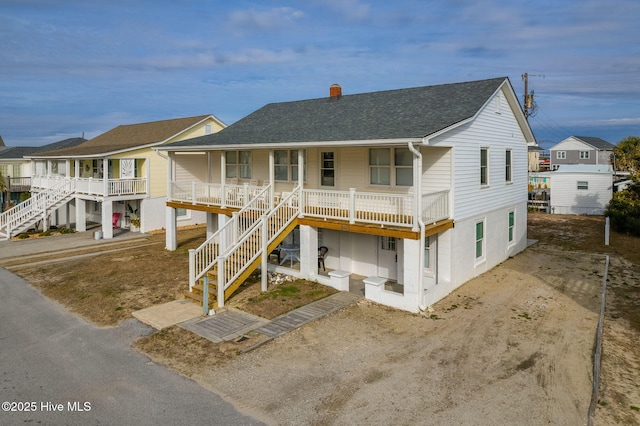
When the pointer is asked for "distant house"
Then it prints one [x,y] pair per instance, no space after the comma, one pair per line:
[581,189]
[16,170]
[424,188]
[581,150]
[104,178]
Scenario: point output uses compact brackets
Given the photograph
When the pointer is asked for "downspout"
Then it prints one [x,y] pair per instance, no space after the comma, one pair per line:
[417,193]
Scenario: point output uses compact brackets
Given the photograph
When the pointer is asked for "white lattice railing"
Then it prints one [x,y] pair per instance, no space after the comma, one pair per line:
[34,207]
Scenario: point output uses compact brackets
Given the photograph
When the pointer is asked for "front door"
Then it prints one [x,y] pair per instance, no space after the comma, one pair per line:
[387,258]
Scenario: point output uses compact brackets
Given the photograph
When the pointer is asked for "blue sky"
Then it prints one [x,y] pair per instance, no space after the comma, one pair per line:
[71,66]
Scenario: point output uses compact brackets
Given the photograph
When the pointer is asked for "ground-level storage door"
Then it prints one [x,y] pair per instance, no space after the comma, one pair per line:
[387,257]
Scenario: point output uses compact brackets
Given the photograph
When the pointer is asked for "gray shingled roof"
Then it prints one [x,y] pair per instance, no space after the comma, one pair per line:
[129,136]
[393,114]
[596,142]
[13,152]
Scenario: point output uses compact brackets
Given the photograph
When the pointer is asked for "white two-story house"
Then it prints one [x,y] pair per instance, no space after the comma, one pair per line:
[423,187]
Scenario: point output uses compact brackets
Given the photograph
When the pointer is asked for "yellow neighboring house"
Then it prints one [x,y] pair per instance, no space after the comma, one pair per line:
[115,179]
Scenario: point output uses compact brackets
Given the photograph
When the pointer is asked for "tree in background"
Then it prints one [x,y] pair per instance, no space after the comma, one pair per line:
[627,155]
[624,207]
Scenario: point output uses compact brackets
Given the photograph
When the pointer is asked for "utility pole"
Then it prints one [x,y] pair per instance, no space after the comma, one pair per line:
[530,106]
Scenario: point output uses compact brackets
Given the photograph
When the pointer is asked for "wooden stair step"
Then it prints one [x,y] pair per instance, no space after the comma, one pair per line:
[198,298]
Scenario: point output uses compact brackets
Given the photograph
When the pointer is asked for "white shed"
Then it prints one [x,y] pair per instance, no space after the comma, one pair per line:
[581,189]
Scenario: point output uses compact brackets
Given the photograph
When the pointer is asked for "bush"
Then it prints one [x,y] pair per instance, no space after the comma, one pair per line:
[65,230]
[624,210]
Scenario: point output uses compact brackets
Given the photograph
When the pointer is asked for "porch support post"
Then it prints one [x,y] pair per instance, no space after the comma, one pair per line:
[411,271]
[169,177]
[271,174]
[81,215]
[308,251]
[223,243]
[147,162]
[105,182]
[212,224]
[300,180]
[223,180]
[107,212]
[171,237]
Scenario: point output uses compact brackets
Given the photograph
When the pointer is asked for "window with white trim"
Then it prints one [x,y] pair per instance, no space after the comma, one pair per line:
[238,164]
[512,225]
[480,241]
[583,185]
[507,166]
[383,171]
[286,164]
[427,254]
[484,166]
[327,168]
[561,155]
[584,155]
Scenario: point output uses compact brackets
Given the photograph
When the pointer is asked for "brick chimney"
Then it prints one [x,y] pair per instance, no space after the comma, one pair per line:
[335,91]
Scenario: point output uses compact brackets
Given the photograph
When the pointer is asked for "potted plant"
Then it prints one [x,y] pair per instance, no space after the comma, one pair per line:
[134,218]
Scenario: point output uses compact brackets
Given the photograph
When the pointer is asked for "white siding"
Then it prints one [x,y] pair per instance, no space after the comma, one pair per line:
[498,132]
[567,199]
[571,144]
[436,169]
[190,167]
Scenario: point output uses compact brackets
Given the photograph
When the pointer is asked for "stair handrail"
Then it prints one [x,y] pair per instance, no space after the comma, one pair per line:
[204,256]
[35,205]
[239,257]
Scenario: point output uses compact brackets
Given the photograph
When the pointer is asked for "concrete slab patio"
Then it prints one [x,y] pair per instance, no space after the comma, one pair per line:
[168,314]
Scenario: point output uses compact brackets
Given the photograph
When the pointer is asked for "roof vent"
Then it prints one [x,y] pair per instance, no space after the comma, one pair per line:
[335,91]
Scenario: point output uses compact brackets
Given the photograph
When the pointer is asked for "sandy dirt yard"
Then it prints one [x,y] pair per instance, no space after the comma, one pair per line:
[513,346]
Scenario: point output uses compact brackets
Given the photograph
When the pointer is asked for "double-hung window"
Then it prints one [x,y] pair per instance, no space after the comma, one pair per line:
[238,164]
[484,166]
[584,155]
[390,167]
[507,166]
[512,224]
[479,241]
[328,168]
[561,155]
[583,184]
[286,164]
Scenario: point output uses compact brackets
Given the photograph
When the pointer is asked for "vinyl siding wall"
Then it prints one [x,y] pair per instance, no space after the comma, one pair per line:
[567,199]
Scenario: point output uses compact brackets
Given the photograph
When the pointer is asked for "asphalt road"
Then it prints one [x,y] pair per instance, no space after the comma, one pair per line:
[57,369]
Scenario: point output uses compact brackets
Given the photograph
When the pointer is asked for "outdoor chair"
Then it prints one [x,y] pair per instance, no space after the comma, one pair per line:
[322,253]
[115,217]
[276,252]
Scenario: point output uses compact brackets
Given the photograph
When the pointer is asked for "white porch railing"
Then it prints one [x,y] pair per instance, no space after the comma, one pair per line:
[435,206]
[214,194]
[353,206]
[368,207]
[94,186]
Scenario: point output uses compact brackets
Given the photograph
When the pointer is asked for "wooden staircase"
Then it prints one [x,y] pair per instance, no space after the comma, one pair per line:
[244,253]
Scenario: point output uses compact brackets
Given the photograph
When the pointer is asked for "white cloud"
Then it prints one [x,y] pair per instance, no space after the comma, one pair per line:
[273,20]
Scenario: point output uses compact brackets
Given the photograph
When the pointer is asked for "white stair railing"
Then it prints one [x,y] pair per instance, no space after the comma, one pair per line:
[204,257]
[237,259]
[34,207]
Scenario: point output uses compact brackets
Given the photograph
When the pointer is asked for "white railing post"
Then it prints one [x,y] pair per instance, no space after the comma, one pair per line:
[221,280]
[352,205]
[192,268]
[265,253]
[205,296]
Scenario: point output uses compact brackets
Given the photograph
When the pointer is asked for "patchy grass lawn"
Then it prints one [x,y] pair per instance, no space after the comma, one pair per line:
[108,288]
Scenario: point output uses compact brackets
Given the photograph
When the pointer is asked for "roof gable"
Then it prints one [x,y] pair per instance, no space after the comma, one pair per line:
[386,115]
[130,136]
[571,142]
